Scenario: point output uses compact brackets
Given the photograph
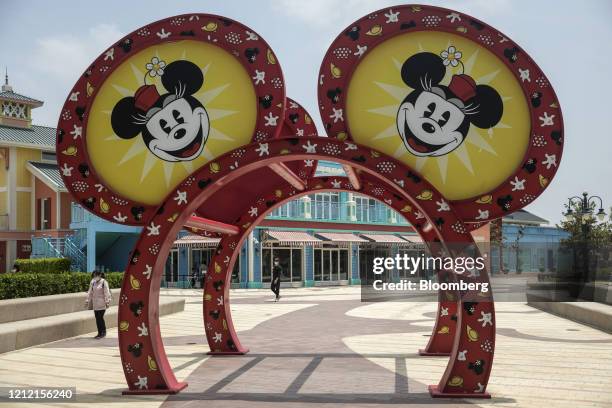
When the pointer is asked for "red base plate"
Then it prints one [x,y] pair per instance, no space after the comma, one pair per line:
[433,390]
[155,391]
[423,352]
[228,353]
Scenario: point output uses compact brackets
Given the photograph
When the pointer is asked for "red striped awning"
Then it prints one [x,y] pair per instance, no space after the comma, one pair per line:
[292,237]
[196,241]
[415,239]
[341,237]
[385,239]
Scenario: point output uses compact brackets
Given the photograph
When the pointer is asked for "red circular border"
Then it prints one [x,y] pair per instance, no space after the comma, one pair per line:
[544,141]
[298,126]
[78,172]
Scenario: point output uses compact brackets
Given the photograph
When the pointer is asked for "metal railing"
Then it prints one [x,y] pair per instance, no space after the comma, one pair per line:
[371,213]
[77,257]
[60,247]
[319,210]
[79,214]
[293,209]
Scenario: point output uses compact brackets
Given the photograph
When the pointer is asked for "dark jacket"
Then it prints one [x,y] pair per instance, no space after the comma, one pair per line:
[276,271]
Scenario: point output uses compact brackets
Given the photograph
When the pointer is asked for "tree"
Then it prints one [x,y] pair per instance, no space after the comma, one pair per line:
[496,240]
[587,229]
[590,241]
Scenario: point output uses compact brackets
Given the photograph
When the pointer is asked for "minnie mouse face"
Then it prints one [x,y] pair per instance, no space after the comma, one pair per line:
[434,119]
[174,126]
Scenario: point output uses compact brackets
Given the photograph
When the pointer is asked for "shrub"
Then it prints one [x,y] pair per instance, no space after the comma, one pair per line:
[19,285]
[43,265]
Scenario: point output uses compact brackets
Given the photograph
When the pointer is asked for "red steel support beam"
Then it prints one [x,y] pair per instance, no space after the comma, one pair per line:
[211,225]
[289,176]
[352,176]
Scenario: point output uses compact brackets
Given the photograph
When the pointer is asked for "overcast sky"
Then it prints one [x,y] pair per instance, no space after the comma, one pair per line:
[47,45]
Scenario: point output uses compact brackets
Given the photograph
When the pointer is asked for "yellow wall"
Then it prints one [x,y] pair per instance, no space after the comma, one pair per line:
[3,207]
[23,175]
[23,213]
[4,183]
[3,173]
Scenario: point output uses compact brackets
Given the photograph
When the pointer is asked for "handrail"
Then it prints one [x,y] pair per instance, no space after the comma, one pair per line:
[60,247]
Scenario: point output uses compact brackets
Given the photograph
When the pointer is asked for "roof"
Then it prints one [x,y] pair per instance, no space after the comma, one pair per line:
[19,98]
[341,237]
[40,136]
[524,217]
[384,238]
[48,173]
[196,241]
[292,237]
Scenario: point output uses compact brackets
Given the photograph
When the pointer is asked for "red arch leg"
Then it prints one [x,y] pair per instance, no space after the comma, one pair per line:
[471,358]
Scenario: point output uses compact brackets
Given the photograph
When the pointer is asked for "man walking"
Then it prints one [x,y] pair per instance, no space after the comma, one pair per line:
[276,273]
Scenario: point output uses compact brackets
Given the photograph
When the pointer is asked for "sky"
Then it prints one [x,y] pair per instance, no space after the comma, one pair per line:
[47,45]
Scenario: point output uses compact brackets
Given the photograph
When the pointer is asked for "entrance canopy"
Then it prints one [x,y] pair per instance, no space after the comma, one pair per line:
[415,240]
[294,238]
[197,241]
[341,237]
[385,239]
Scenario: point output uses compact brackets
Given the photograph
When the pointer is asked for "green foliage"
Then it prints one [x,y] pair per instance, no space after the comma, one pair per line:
[19,285]
[43,265]
[587,230]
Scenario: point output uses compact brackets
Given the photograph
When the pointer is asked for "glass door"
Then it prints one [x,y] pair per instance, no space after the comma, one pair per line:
[290,261]
[326,264]
[318,255]
[344,264]
[333,267]
[172,268]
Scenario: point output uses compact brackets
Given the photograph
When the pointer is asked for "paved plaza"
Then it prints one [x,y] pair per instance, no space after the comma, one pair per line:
[322,346]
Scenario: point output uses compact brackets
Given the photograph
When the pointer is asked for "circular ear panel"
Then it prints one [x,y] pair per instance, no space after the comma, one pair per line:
[159,104]
[452,98]
[298,121]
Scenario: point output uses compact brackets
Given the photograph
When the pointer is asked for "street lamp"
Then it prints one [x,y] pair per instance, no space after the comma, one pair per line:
[584,208]
[583,213]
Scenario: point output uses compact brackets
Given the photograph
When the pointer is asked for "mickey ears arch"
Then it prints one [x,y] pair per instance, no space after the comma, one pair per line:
[453,98]
[160,103]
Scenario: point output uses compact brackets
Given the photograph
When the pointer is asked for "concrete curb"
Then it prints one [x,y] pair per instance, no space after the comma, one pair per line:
[27,333]
[597,315]
[16,310]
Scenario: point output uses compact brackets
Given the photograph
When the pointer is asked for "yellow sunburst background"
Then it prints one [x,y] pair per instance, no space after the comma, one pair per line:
[484,159]
[127,166]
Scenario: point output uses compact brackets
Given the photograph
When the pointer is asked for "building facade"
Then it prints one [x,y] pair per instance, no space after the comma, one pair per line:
[319,239]
[33,199]
[528,244]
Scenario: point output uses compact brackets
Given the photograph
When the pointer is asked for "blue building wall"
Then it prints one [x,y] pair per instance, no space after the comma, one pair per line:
[244,265]
[98,239]
[535,250]
[256,282]
[115,257]
[309,266]
[355,279]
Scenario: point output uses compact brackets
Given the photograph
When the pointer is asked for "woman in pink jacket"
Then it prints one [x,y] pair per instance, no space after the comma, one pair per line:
[98,300]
